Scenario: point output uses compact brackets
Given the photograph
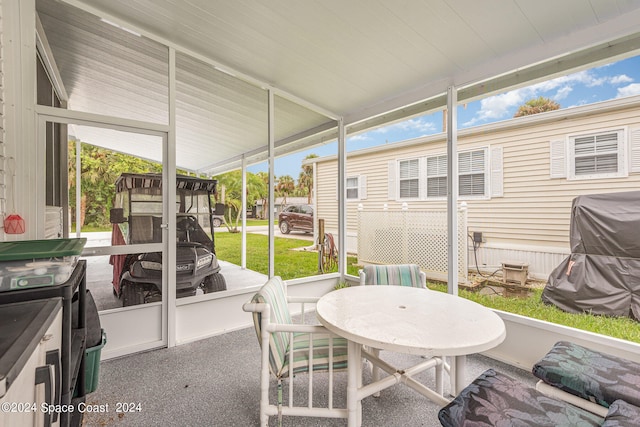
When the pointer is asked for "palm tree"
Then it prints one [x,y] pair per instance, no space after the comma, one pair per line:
[305,179]
[285,187]
[257,188]
[232,183]
[537,105]
[264,195]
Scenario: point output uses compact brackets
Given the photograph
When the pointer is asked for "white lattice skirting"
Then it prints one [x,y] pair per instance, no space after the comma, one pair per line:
[411,237]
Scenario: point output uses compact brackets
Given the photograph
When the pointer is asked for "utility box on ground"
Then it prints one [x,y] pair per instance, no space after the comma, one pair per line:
[515,272]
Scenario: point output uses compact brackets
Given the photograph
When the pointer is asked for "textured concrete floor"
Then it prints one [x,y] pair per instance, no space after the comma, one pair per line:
[215,382]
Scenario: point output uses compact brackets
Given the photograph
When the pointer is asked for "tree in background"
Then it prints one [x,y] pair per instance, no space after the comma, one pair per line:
[284,187]
[537,105]
[264,196]
[100,169]
[231,188]
[305,179]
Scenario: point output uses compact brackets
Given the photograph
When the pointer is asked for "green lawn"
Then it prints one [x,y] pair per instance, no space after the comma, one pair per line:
[90,228]
[251,222]
[289,263]
[532,306]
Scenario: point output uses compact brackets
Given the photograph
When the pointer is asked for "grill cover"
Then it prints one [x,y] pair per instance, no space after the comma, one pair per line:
[602,274]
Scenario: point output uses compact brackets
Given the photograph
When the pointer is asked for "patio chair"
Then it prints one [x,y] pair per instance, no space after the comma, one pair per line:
[397,275]
[393,274]
[288,349]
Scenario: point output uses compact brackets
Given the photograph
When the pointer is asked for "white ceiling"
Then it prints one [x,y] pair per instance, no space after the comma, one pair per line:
[363,60]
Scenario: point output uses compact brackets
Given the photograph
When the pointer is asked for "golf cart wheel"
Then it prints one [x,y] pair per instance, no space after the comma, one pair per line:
[217,222]
[131,294]
[284,227]
[214,283]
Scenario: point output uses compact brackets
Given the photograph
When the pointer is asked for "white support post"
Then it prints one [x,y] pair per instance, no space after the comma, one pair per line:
[271,205]
[452,190]
[342,199]
[243,243]
[27,191]
[169,195]
[78,186]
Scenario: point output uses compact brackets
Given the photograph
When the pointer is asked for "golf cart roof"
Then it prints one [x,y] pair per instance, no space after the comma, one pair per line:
[128,181]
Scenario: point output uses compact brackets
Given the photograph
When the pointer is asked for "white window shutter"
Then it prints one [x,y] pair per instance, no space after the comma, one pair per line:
[362,183]
[634,158]
[497,172]
[391,176]
[558,162]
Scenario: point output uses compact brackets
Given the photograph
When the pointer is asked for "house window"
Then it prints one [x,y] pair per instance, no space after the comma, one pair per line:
[437,176]
[352,188]
[597,155]
[409,179]
[472,173]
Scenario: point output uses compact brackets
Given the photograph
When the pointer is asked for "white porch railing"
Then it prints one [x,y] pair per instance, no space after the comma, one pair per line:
[411,237]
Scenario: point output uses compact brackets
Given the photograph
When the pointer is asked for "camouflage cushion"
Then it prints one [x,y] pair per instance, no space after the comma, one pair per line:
[495,399]
[591,375]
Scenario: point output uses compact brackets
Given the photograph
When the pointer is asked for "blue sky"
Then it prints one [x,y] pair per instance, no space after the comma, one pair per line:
[615,80]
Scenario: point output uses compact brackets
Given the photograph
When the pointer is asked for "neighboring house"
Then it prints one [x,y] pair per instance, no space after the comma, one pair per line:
[280,206]
[518,178]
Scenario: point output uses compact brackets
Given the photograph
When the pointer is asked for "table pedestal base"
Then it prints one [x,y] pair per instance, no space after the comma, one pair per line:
[356,391]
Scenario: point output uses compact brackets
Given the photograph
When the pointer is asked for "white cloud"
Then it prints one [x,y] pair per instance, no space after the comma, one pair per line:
[629,90]
[562,93]
[498,106]
[504,105]
[359,137]
[623,78]
[412,125]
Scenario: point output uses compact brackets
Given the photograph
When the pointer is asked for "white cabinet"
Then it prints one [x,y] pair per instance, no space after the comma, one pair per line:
[30,363]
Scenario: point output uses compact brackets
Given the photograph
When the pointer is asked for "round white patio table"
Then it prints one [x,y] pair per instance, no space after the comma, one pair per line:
[406,320]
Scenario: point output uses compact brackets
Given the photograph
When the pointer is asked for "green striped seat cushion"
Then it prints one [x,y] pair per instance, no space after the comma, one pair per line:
[321,353]
[273,293]
[400,274]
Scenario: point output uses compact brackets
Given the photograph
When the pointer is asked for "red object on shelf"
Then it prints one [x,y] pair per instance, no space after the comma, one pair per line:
[14,224]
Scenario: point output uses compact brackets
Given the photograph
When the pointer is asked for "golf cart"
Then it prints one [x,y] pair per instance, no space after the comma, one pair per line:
[136,218]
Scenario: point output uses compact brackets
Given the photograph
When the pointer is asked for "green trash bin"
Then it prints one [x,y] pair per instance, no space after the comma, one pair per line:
[92,366]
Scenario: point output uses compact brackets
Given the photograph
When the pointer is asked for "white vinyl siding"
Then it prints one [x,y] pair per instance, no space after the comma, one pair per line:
[597,155]
[409,179]
[534,210]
